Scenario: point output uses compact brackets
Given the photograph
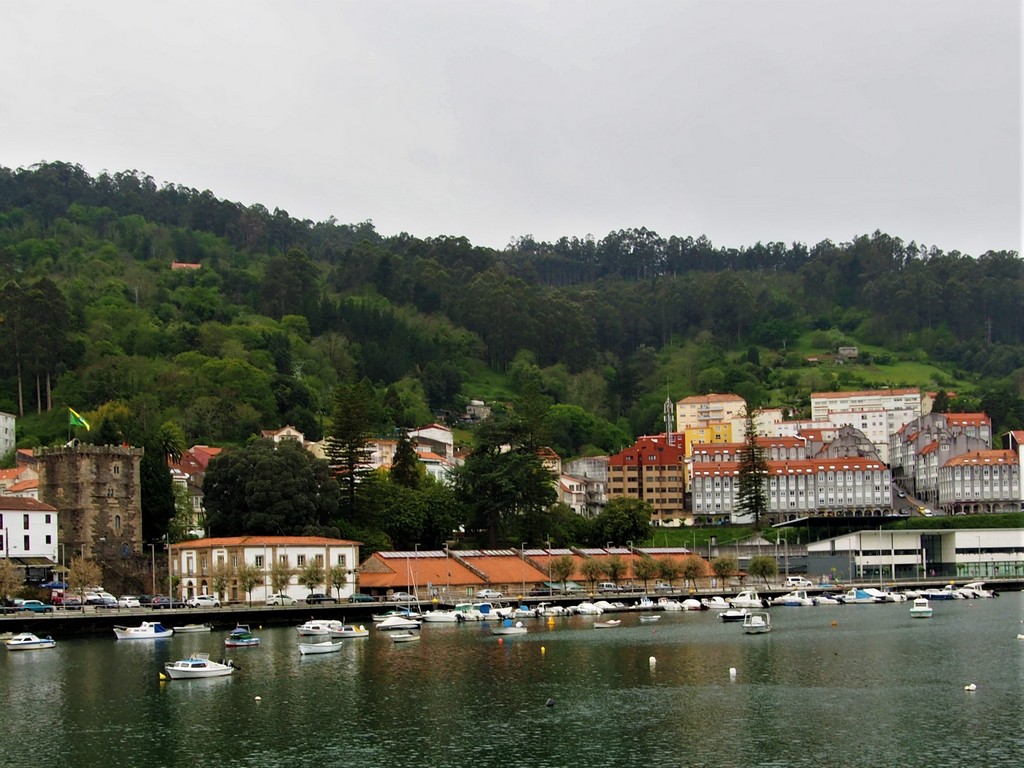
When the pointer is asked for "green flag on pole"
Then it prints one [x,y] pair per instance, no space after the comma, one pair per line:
[74,420]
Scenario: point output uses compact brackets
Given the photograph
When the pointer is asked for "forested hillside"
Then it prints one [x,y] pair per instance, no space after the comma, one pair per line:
[282,309]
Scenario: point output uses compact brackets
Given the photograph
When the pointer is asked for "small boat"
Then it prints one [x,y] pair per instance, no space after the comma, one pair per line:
[197,665]
[716,603]
[186,629]
[508,628]
[329,647]
[398,623]
[857,597]
[795,598]
[587,608]
[405,637]
[447,615]
[748,599]
[315,628]
[693,604]
[649,618]
[241,637]
[734,614]
[26,641]
[405,613]
[976,589]
[611,623]
[147,630]
[348,630]
[669,604]
[825,600]
[921,609]
[757,623]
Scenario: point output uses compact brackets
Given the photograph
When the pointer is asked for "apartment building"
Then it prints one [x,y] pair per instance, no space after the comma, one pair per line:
[980,482]
[876,413]
[652,470]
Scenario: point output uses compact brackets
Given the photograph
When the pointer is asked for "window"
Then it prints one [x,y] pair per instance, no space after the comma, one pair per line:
[259,561]
[110,493]
[283,560]
[117,522]
[28,546]
[300,561]
[49,539]
[24,519]
[341,560]
[117,469]
[46,518]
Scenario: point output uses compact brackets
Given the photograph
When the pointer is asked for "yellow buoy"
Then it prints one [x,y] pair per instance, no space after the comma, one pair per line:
[835,623]
[163,677]
[543,649]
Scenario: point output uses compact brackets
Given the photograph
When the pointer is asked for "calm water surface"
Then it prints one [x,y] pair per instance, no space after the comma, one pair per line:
[860,685]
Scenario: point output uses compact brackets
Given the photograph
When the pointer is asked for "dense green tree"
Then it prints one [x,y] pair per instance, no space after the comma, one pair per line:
[624,519]
[156,492]
[405,469]
[270,488]
[501,480]
[348,436]
[763,567]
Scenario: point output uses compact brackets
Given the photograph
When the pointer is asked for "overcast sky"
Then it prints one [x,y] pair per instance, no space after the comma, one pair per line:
[746,121]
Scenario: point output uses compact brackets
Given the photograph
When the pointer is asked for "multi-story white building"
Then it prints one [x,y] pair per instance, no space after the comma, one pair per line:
[980,482]
[7,439]
[197,566]
[876,413]
[592,471]
[29,535]
[797,488]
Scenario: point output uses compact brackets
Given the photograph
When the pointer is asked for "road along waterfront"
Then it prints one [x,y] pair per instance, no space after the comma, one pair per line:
[854,685]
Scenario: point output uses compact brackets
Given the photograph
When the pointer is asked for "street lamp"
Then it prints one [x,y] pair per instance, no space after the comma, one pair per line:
[152,554]
[548,542]
[629,544]
[522,554]
[447,571]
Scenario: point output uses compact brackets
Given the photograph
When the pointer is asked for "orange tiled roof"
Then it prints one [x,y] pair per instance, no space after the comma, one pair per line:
[23,504]
[400,570]
[983,457]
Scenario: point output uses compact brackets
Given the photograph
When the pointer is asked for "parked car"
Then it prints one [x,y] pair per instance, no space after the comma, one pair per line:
[359,597]
[100,600]
[664,586]
[488,594]
[281,599]
[128,601]
[402,597]
[36,606]
[203,601]
[163,601]
[608,586]
[71,604]
[543,592]
[798,582]
[314,598]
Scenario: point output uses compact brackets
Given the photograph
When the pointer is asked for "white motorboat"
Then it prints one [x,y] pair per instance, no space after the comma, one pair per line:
[646,604]
[610,624]
[186,629]
[197,665]
[757,623]
[550,609]
[509,628]
[649,618]
[692,604]
[241,637]
[26,641]
[921,609]
[669,604]
[342,631]
[405,613]
[315,628]
[448,615]
[886,595]
[857,597]
[734,614]
[147,630]
[948,592]
[748,599]
[716,603]
[330,646]
[825,600]
[795,598]
[976,589]
[399,623]
[587,608]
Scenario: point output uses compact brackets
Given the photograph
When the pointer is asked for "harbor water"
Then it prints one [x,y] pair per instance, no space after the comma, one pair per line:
[853,685]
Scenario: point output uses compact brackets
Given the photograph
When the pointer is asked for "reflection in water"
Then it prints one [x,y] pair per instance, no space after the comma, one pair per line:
[875,688]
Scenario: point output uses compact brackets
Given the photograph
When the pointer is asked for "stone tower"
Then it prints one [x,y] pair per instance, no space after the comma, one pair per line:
[96,491]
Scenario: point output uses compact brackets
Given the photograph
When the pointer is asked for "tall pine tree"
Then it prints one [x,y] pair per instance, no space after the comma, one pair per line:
[752,496]
[348,450]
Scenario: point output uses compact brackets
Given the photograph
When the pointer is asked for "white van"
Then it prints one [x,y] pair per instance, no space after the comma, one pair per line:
[798,582]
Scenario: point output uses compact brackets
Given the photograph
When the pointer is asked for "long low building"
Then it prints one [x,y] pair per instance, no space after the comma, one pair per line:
[893,555]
